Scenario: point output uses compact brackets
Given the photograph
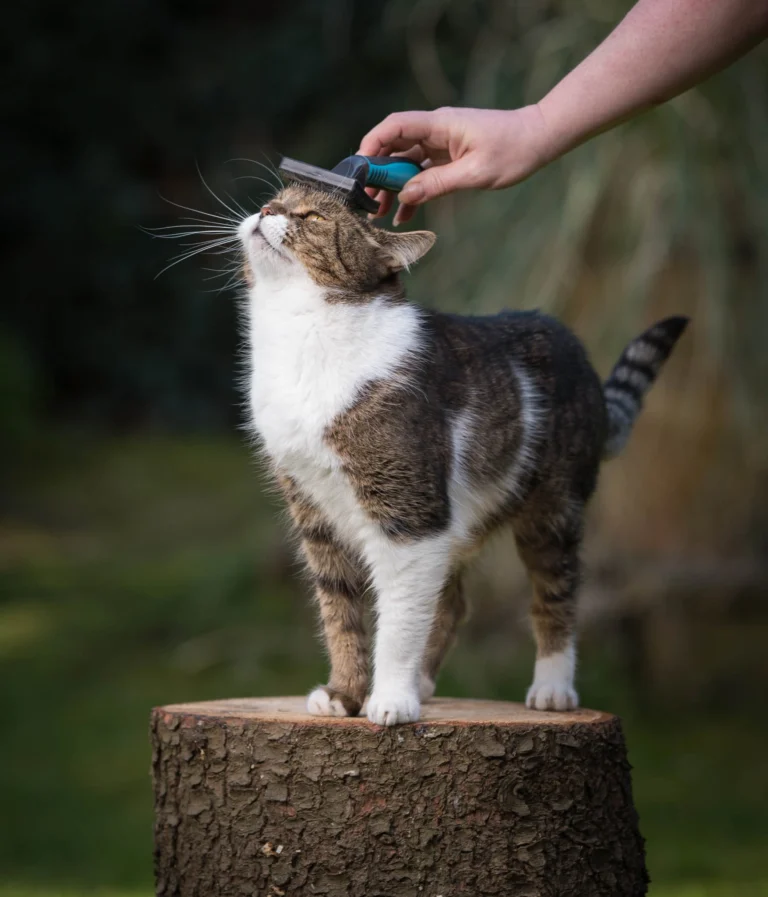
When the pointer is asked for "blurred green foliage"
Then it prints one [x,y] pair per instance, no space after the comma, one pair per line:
[18,409]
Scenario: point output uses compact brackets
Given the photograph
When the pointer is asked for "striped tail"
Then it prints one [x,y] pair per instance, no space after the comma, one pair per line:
[633,376]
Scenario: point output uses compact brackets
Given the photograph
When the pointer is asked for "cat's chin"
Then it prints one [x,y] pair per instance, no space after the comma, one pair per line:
[264,246]
[274,270]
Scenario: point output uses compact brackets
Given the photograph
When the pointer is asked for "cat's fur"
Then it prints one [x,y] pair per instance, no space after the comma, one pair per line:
[402,438]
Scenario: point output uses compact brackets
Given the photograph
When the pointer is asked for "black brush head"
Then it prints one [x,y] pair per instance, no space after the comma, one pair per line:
[347,180]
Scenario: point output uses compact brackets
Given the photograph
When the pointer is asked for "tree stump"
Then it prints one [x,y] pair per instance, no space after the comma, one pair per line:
[255,797]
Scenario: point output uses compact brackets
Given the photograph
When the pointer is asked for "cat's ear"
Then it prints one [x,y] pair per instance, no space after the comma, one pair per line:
[405,249]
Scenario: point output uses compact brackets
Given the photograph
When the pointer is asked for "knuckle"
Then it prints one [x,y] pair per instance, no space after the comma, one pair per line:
[436,183]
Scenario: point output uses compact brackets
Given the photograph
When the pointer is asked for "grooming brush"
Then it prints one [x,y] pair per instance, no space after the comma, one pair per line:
[352,175]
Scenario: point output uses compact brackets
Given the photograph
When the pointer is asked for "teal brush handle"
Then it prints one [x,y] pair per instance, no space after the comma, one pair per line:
[390,172]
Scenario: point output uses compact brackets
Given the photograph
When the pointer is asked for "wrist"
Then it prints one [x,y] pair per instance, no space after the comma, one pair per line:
[553,137]
[543,142]
[524,147]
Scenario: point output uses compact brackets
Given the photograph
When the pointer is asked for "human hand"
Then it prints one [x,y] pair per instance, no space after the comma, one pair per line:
[460,149]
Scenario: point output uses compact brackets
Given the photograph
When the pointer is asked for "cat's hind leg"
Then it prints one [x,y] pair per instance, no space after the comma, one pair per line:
[451,611]
[549,548]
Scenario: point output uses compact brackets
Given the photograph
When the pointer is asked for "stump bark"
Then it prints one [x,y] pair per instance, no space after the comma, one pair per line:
[255,797]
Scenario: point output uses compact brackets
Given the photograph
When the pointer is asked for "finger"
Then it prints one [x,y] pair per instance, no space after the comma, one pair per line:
[403,214]
[402,128]
[376,193]
[415,153]
[385,199]
[403,147]
[437,181]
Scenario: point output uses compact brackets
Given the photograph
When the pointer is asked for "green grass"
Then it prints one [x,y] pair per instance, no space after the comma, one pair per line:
[147,572]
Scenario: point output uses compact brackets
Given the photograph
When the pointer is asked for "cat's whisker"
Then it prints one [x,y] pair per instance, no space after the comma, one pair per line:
[192,233]
[204,221]
[214,195]
[206,247]
[232,270]
[198,234]
[217,275]
[225,251]
[197,249]
[270,170]
[194,224]
[232,198]
[221,272]
[214,237]
[271,167]
[255,177]
[213,244]
[198,245]
[231,221]
[232,282]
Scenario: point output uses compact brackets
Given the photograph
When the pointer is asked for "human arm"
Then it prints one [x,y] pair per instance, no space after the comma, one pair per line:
[660,49]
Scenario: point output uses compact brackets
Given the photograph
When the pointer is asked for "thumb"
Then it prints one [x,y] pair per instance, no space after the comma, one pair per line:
[436,181]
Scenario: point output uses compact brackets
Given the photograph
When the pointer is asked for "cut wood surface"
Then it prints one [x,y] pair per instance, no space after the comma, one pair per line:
[256,797]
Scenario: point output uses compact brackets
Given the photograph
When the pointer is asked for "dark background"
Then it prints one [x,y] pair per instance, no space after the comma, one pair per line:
[141,560]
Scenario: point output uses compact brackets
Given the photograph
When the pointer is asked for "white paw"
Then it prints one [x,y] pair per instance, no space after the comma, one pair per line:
[426,688]
[552,696]
[393,708]
[320,704]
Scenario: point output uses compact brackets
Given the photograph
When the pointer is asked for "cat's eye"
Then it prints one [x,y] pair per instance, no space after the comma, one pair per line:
[313,216]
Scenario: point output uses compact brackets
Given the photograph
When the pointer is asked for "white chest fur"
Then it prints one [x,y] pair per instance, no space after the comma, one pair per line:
[309,360]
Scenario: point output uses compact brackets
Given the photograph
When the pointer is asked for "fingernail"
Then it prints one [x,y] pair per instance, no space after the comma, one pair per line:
[411,194]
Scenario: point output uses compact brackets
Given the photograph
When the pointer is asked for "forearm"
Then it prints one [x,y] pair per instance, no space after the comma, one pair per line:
[660,49]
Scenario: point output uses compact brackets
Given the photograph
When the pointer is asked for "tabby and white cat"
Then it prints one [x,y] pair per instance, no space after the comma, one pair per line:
[402,438]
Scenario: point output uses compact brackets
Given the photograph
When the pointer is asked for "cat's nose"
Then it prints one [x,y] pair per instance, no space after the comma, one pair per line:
[267,210]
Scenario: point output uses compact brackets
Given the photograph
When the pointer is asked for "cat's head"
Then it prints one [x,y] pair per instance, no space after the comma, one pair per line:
[305,231]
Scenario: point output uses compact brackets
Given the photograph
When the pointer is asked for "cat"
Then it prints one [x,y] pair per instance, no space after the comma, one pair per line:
[401,438]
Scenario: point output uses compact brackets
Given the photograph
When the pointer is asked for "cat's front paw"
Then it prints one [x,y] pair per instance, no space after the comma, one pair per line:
[391,708]
[552,695]
[327,701]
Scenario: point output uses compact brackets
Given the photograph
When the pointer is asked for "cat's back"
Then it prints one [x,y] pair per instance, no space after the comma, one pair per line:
[531,338]
[526,345]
